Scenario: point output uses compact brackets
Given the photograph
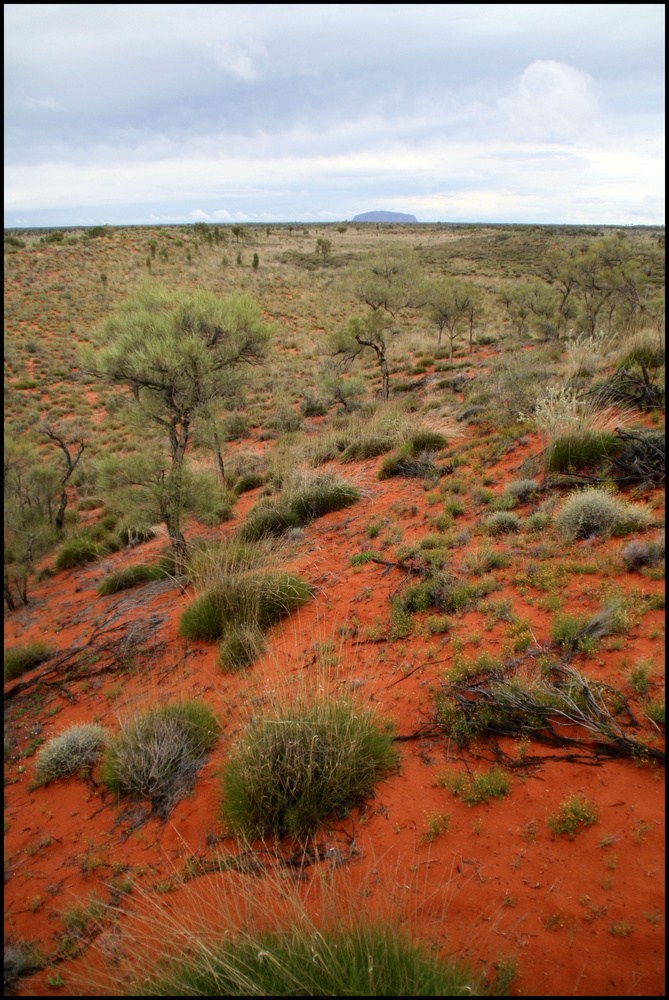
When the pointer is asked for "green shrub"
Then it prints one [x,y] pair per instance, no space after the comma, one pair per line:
[502,523]
[248,481]
[22,658]
[581,449]
[76,552]
[573,813]
[240,645]
[656,710]
[302,501]
[157,755]
[360,558]
[76,749]
[595,511]
[311,407]
[235,427]
[405,462]
[255,598]
[129,576]
[476,788]
[360,959]
[302,763]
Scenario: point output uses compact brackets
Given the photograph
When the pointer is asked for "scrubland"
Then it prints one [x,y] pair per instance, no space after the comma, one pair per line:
[334,634]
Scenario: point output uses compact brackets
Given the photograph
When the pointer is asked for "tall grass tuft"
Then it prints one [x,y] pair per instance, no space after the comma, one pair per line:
[301,763]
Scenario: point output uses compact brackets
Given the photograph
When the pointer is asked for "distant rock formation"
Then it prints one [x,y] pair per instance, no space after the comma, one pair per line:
[384,217]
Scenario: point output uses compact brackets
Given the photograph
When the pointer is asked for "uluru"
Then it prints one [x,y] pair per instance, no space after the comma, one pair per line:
[384,217]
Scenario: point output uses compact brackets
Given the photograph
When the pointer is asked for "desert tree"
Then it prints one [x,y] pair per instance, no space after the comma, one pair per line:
[31,496]
[70,439]
[179,354]
[472,309]
[446,301]
[388,283]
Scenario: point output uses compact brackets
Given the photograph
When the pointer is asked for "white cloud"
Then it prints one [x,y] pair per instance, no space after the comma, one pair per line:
[49,103]
[550,102]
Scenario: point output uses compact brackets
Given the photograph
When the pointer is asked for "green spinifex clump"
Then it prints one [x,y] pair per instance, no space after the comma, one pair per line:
[304,501]
[255,598]
[301,763]
[361,960]
[22,658]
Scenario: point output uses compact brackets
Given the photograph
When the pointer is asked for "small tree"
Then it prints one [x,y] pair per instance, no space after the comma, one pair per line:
[237,231]
[256,262]
[388,282]
[472,310]
[446,300]
[178,354]
[323,247]
[70,440]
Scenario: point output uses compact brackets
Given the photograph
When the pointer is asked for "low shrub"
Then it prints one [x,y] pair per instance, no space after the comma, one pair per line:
[157,755]
[310,407]
[573,814]
[235,427]
[523,489]
[641,553]
[22,658]
[256,599]
[302,763]
[76,749]
[476,788]
[581,450]
[502,522]
[240,645]
[248,481]
[480,560]
[405,462]
[360,959]
[129,576]
[595,511]
[76,552]
[442,592]
[303,500]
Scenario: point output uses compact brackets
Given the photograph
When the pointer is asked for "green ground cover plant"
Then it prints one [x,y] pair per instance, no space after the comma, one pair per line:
[573,814]
[301,763]
[478,787]
[76,749]
[156,755]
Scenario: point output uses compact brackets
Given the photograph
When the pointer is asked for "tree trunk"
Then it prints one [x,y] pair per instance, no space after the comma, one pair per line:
[471,336]
[385,381]
[450,345]
[60,514]
[9,599]
[218,459]
[179,547]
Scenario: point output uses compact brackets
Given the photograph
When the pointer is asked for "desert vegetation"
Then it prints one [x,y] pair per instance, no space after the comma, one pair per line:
[343,561]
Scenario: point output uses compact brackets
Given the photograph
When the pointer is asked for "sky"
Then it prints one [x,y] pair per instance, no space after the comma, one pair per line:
[163,113]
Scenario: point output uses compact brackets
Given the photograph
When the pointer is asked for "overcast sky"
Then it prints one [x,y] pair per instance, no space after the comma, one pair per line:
[136,113]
